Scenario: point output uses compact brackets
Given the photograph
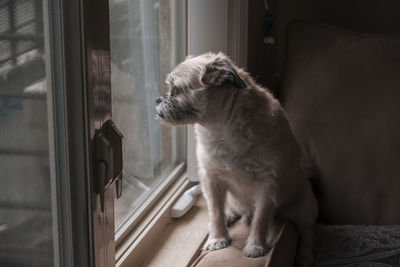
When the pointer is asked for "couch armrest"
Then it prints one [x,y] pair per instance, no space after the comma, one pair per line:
[282,255]
[284,252]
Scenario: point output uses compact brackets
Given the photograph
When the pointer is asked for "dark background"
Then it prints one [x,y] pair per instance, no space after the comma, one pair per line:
[266,61]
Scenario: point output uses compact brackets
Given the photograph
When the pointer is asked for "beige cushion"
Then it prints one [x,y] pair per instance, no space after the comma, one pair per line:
[342,95]
[231,256]
[282,255]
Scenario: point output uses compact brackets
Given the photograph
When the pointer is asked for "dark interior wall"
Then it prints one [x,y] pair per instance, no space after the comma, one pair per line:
[259,53]
[265,61]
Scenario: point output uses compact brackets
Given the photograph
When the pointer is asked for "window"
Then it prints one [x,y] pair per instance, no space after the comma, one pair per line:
[147,41]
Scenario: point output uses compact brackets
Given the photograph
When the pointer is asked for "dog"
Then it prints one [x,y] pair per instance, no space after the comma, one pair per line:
[249,161]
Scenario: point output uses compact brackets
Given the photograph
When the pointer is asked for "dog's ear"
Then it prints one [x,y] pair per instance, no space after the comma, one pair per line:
[220,71]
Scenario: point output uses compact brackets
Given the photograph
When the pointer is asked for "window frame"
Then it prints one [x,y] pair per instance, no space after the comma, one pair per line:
[68,133]
[130,223]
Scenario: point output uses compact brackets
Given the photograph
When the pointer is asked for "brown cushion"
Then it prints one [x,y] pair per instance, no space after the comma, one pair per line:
[231,256]
[282,255]
[342,95]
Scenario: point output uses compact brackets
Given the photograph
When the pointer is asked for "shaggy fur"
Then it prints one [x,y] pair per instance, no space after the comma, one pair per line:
[248,157]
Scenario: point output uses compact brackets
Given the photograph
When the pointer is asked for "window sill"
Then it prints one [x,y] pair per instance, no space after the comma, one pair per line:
[161,241]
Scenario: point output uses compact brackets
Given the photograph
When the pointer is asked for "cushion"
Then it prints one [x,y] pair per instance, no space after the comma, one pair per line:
[341,92]
[282,255]
[357,246]
[232,255]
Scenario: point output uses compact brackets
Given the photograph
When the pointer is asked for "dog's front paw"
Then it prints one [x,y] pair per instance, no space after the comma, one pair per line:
[217,243]
[254,251]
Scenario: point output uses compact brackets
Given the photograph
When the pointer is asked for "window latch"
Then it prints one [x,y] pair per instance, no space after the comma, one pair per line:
[108,160]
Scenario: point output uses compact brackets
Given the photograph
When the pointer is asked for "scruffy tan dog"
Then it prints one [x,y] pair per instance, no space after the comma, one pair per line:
[249,159]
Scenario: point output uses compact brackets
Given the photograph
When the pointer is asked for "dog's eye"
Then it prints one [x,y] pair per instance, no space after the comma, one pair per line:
[175,91]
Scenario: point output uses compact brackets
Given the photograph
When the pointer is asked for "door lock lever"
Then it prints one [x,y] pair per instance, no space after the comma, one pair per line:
[108,160]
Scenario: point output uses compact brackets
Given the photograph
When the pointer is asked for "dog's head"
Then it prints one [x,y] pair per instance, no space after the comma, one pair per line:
[190,86]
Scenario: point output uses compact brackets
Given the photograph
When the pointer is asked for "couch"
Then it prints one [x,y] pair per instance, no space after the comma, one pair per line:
[341,92]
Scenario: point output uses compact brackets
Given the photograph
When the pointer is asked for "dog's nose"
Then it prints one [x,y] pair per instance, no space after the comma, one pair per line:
[158,100]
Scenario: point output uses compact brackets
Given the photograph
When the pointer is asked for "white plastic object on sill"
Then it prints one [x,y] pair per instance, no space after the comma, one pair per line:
[185,202]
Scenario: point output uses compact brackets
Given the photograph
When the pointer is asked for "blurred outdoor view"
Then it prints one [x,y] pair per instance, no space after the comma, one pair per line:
[25,209]
[147,41]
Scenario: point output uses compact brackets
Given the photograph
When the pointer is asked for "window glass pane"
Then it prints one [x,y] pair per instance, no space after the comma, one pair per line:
[25,203]
[146,43]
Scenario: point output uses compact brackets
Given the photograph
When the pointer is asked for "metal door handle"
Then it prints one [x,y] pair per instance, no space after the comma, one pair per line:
[108,159]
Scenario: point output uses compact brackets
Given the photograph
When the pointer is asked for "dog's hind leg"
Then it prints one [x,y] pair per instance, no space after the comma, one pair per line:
[256,245]
[231,217]
[303,213]
[274,230]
